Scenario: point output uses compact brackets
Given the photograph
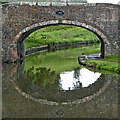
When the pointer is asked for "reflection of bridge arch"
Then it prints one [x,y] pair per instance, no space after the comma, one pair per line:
[30,91]
[21,36]
[77,101]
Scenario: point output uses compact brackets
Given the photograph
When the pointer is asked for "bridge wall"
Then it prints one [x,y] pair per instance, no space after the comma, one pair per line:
[19,20]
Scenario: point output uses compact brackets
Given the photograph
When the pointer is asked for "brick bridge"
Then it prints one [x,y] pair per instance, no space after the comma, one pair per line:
[20,19]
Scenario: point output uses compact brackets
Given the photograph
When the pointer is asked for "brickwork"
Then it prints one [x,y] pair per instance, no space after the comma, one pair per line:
[21,19]
[0,61]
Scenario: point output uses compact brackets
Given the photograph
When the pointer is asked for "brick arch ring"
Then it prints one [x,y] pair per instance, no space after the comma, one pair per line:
[67,22]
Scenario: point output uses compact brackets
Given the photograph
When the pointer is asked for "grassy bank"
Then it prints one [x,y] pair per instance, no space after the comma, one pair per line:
[59,34]
[111,63]
[59,61]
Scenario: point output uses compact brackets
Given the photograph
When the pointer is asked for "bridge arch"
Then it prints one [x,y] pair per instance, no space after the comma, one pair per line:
[22,35]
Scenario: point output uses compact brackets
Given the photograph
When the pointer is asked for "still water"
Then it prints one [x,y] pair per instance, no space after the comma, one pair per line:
[83,78]
[33,89]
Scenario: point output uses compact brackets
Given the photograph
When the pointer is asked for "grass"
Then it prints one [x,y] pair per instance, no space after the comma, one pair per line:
[59,61]
[112,58]
[3,2]
[31,44]
[59,34]
[110,63]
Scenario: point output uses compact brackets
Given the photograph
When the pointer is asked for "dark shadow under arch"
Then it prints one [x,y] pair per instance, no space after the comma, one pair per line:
[22,38]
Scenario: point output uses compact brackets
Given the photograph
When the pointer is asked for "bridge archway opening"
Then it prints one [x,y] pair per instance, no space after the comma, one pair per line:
[21,37]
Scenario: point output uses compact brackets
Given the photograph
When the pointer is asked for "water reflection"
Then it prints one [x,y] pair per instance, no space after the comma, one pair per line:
[43,77]
[78,78]
[70,80]
[22,99]
[33,95]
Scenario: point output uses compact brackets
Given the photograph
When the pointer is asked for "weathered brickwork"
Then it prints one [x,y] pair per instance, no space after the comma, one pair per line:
[19,20]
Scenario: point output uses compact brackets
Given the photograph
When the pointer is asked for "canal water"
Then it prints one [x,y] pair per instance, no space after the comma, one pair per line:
[54,85]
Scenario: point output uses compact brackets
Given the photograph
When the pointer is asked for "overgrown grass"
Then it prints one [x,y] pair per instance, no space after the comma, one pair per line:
[59,61]
[106,64]
[59,34]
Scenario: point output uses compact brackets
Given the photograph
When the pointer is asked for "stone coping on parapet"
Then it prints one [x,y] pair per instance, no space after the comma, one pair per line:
[50,3]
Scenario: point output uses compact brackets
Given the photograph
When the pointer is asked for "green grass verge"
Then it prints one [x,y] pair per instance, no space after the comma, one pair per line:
[106,64]
[59,34]
[112,58]
[31,44]
[59,61]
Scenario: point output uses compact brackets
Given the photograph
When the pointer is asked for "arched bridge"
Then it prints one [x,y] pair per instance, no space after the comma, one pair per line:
[22,18]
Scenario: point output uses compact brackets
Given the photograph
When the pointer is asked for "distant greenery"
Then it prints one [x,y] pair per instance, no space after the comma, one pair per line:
[59,61]
[59,34]
[3,2]
[111,63]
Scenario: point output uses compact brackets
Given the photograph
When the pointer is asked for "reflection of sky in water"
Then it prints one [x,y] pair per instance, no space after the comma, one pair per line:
[74,79]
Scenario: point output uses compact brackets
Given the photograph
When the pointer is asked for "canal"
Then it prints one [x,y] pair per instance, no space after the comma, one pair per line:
[54,85]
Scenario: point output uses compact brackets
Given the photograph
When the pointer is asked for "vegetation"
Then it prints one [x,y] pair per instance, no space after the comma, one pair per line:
[110,63]
[112,58]
[59,34]
[64,60]
[3,2]
[59,61]
[43,77]
[45,69]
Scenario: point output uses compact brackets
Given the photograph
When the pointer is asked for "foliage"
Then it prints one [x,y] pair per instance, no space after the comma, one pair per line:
[59,34]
